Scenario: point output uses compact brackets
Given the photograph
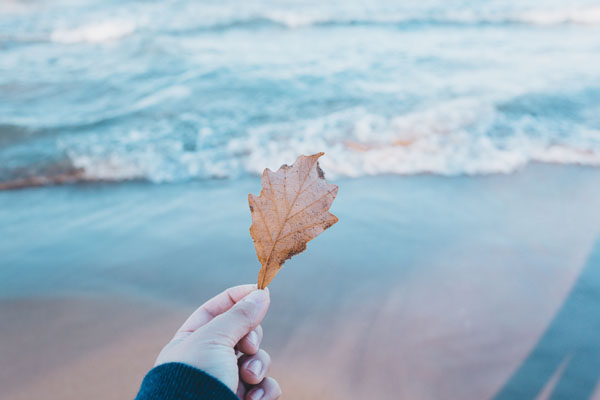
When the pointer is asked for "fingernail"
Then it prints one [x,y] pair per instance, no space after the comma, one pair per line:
[253,338]
[257,394]
[257,297]
[255,367]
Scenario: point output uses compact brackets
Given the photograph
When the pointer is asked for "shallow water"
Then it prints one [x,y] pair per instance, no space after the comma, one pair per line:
[179,90]
[428,287]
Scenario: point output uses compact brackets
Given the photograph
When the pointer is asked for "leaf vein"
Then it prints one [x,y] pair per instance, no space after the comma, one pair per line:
[264,221]
[308,187]
[285,221]
[302,229]
[311,204]
[270,198]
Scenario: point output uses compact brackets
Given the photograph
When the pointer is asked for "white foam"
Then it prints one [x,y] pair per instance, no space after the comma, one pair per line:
[449,139]
[582,16]
[576,16]
[94,33]
[557,154]
[111,168]
[293,20]
[306,18]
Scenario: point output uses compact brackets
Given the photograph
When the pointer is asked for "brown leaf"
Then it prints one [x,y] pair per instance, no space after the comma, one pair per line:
[292,209]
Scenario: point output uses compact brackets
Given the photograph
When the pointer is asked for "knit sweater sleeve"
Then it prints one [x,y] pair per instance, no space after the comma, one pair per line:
[176,381]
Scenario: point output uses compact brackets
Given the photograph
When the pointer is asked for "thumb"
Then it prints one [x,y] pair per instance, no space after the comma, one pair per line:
[231,326]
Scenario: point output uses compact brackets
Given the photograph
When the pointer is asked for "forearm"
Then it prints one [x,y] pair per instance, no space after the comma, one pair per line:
[176,381]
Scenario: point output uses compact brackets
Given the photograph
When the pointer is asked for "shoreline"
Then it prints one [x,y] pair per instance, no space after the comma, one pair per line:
[78,177]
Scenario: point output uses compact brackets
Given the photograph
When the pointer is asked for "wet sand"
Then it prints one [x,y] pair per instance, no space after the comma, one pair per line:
[77,347]
[428,288]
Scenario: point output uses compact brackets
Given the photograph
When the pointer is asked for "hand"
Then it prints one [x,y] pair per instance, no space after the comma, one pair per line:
[214,335]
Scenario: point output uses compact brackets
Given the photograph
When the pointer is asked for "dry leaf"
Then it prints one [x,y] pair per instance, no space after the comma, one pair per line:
[292,209]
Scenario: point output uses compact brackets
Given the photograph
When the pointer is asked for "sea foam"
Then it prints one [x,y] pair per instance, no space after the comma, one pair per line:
[94,33]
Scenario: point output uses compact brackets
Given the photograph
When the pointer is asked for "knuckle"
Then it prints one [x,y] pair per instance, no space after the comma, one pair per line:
[215,338]
[220,337]
[245,314]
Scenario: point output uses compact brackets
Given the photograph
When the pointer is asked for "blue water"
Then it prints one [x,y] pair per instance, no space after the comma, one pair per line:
[180,90]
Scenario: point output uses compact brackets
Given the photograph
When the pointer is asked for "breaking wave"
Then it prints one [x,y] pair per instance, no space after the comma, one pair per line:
[111,30]
[99,32]
[455,138]
[583,17]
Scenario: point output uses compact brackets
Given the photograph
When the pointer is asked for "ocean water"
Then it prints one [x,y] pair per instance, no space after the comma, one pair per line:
[170,91]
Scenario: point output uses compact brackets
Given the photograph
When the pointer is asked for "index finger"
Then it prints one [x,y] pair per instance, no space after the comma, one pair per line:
[215,306]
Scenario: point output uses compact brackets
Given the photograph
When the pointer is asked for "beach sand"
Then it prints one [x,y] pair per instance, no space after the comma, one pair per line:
[427,288]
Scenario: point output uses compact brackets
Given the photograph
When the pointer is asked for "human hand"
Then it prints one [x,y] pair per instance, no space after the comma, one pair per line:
[221,329]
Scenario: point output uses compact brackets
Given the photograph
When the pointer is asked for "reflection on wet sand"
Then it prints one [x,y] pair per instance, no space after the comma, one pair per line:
[569,351]
[428,288]
[439,337]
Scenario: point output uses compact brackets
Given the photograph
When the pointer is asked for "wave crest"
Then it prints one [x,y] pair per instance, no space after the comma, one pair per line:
[296,20]
[453,138]
[99,32]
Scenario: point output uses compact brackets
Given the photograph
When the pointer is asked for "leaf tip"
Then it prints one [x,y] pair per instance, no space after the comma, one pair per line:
[335,220]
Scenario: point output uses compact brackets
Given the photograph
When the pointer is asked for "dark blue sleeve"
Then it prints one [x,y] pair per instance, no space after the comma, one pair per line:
[176,381]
